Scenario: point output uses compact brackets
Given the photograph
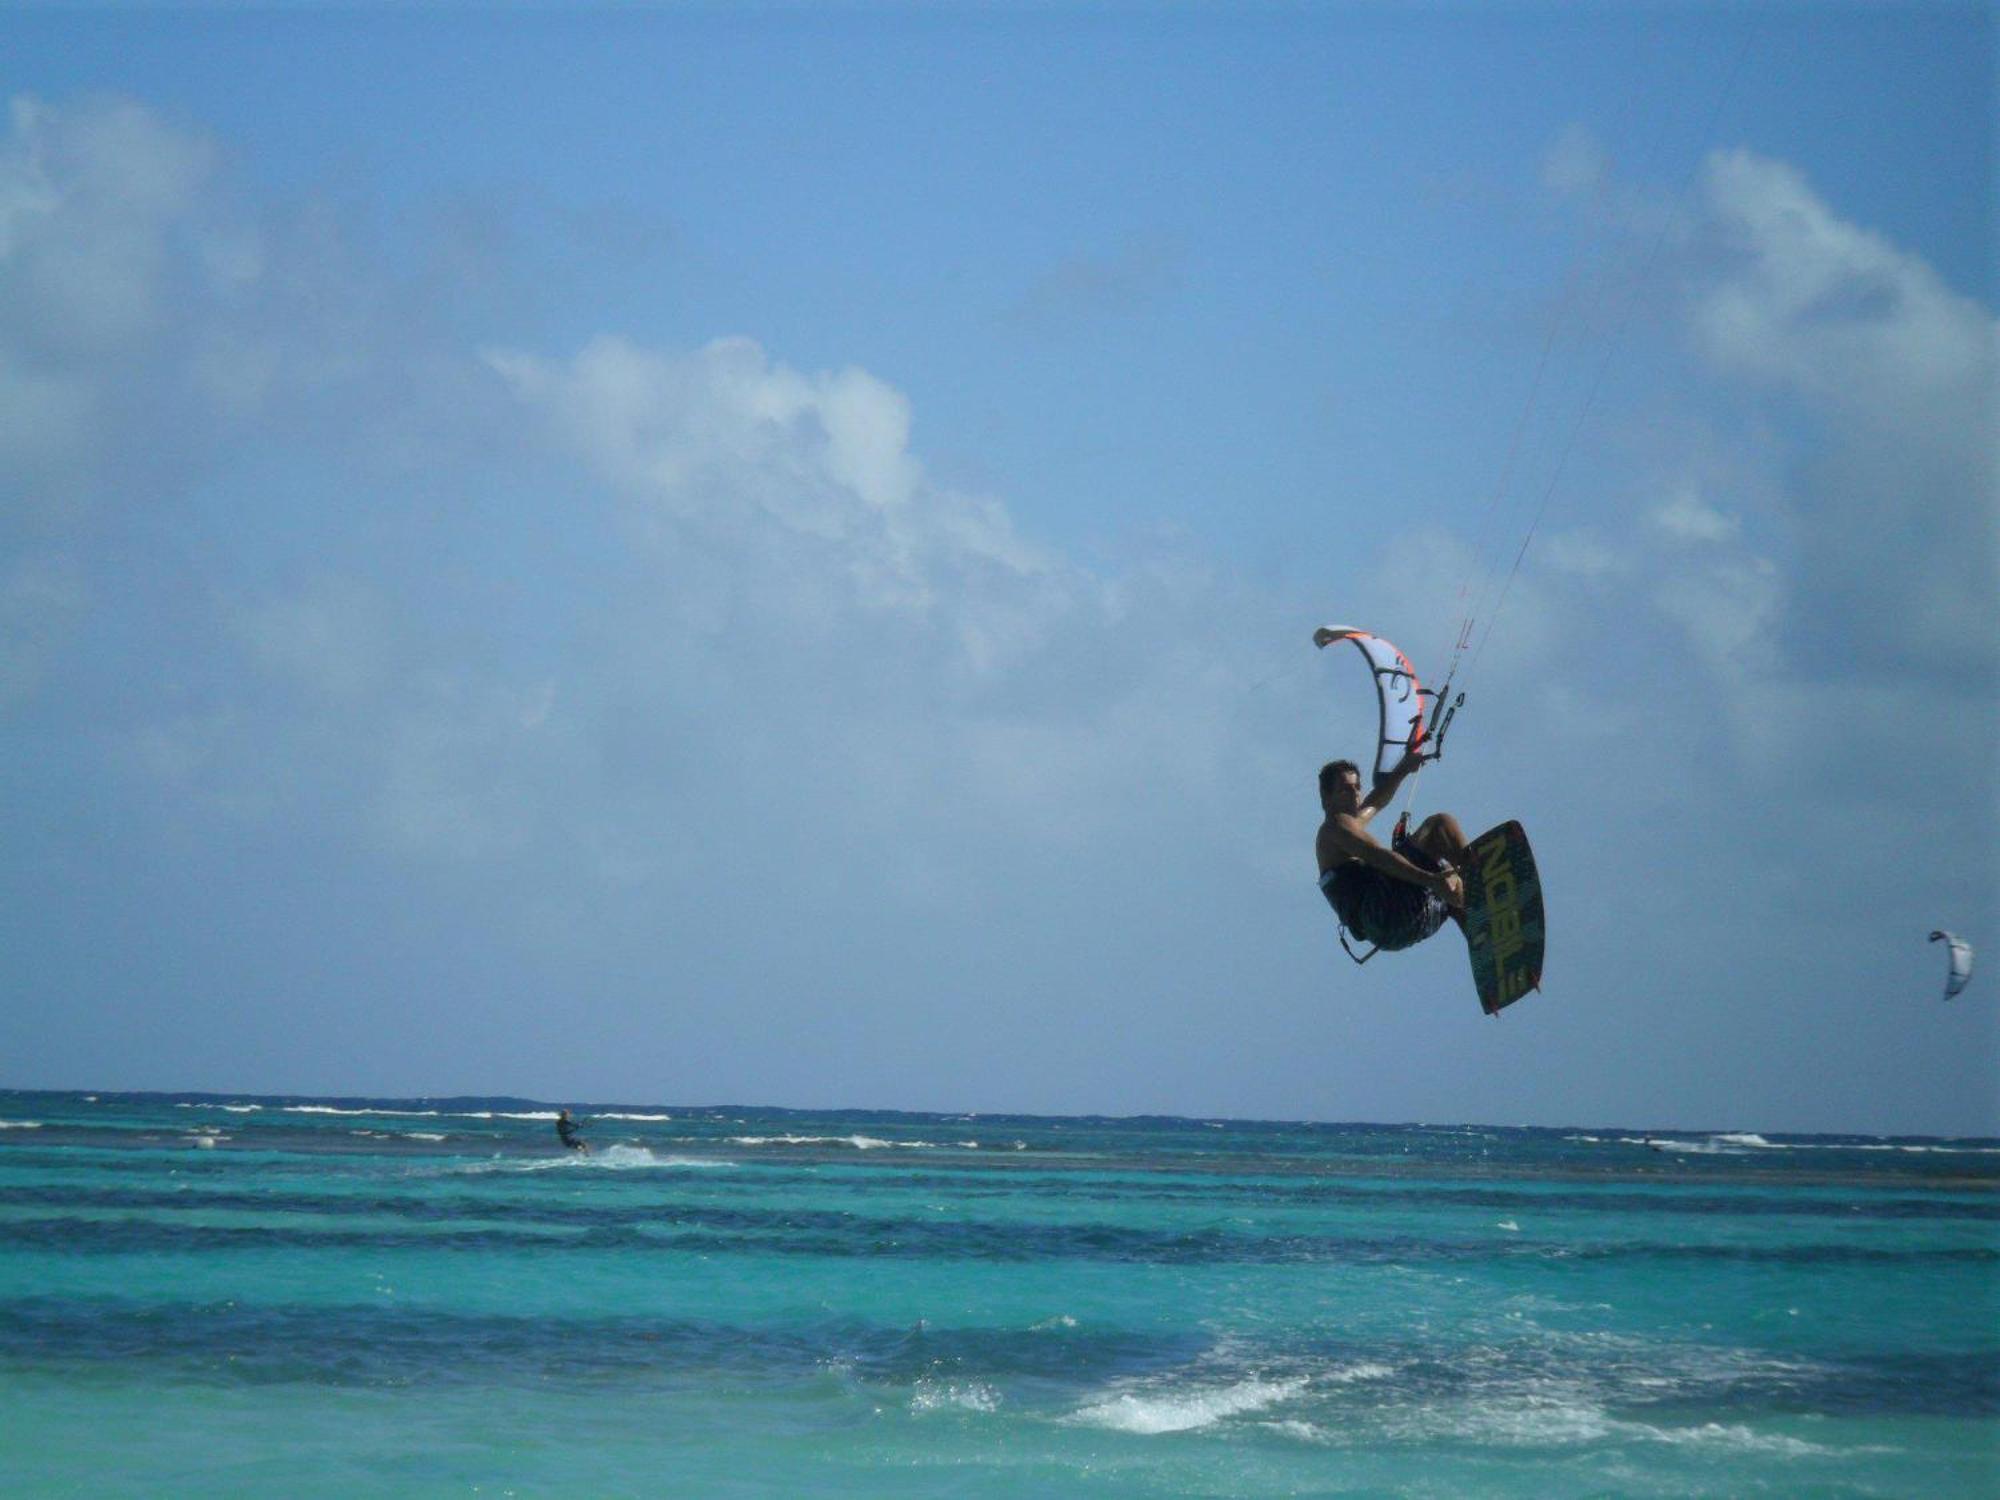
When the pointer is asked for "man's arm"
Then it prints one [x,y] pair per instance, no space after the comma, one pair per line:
[1348,836]
[1384,794]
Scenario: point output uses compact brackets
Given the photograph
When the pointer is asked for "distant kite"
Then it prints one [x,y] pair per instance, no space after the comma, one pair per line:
[1960,969]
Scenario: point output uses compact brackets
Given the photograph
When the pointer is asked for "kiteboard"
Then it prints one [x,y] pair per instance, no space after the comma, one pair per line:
[1503,916]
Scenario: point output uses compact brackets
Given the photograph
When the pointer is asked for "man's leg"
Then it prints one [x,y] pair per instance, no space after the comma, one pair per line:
[1440,837]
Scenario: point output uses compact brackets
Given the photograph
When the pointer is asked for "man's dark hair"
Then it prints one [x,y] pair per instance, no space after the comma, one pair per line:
[1331,771]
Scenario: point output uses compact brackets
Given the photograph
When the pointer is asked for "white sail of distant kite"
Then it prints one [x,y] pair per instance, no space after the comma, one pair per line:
[1960,969]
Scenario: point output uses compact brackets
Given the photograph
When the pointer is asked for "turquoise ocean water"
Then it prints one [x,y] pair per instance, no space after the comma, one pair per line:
[244,1296]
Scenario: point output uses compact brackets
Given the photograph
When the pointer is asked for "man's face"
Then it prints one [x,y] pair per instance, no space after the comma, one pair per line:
[1345,794]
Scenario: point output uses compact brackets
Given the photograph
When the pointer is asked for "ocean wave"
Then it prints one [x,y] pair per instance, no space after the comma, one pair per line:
[621,1158]
[20,1124]
[1185,1410]
[334,1109]
[858,1142]
[630,1117]
[1739,1141]
[962,1395]
[1736,1437]
[618,1158]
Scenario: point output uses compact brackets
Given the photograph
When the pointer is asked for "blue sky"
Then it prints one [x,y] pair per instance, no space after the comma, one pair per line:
[692,555]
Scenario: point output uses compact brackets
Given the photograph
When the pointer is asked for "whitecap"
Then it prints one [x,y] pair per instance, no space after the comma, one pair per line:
[971,1395]
[858,1142]
[20,1124]
[630,1117]
[1741,1439]
[615,1158]
[1361,1370]
[332,1109]
[1148,1414]
[1291,1427]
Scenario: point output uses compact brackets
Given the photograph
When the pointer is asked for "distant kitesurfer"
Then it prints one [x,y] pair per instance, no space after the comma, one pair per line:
[1397,896]
[566,1128]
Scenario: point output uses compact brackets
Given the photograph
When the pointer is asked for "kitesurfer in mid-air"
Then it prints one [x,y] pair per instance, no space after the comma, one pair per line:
[566,1128]
[1393,896]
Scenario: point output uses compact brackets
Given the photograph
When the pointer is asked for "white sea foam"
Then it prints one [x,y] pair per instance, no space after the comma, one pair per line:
[332,1109]
[1554,1414]
[1749,1140]
[1922,1148]
[630,1117]
[1291,1427]
[1725,1435]
[20,1124]
[940,1395]
[1183,1410]
[1717,1146]
[424,1135]
[1366,1369]
[618,1158]
[858,1142]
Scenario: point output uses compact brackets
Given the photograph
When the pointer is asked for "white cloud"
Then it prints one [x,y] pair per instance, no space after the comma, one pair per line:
[41,598]
[808,476]
[1896,498]
[88,198]
[1688,519]
[1583,553]
[331,639]
[1810,301]
[1576,163]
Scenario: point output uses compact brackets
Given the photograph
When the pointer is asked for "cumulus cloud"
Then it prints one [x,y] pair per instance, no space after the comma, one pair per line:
[1686,518]
[88,202]
[1896,500]
[808,479]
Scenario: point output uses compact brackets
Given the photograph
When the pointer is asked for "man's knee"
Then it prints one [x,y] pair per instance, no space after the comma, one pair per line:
[1440,834]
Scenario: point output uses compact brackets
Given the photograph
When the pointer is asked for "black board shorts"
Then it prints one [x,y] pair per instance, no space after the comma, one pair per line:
[1380,909]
